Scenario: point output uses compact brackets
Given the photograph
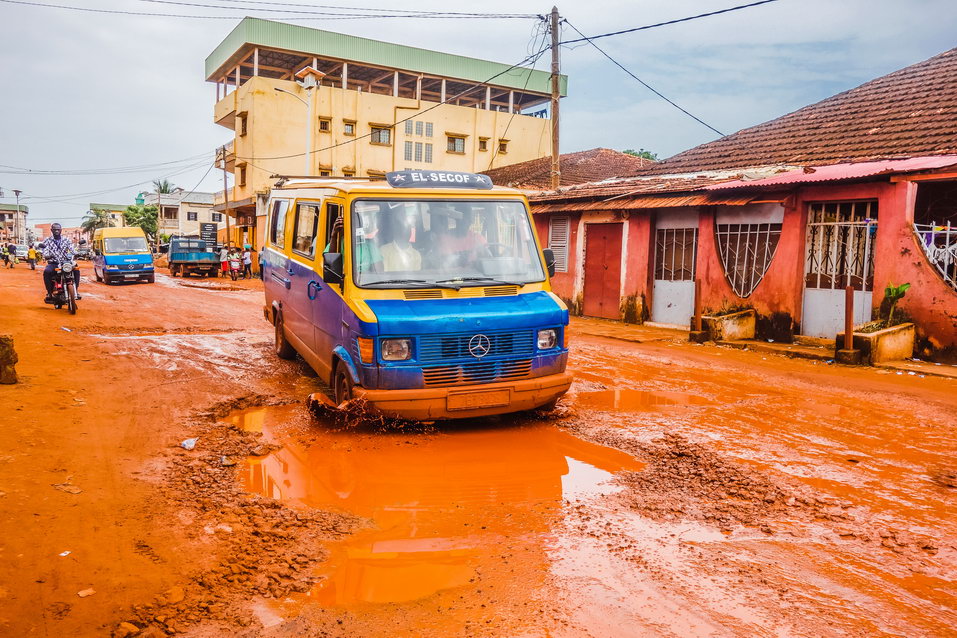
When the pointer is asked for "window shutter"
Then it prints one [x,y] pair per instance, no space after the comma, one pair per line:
[558,241]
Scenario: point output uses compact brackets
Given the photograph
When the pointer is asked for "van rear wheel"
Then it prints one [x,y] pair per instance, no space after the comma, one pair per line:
[284,349]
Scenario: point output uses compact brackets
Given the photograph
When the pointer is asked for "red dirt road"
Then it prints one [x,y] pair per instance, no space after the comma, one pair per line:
[679,490]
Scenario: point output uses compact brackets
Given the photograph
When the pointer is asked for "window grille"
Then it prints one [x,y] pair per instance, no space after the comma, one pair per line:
[939,242]
[456,144]
[746,251]
[418,128]
[675,253]
[418,151]
[840,245]
[381,135]
[558,228]
[408,151]
[428,129]
[428,153]
[408,127]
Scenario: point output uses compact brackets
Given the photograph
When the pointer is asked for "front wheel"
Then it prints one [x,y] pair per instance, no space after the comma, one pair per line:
[151,279]
[97,275]
[284,349]
[71,298]
[342,386]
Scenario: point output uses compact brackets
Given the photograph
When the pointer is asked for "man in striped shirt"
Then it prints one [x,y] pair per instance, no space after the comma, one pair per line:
[58,250]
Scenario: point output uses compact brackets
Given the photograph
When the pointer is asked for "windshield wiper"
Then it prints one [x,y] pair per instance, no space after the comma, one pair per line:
[490,280]
[421,282]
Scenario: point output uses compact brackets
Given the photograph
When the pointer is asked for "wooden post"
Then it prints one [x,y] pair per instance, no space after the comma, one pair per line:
[556,165]
[697,305]
[849,318]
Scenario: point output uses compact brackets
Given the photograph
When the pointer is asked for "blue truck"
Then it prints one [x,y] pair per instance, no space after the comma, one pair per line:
[189,256]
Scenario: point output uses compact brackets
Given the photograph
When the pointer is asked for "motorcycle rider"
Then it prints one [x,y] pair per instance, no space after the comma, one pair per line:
[58,250]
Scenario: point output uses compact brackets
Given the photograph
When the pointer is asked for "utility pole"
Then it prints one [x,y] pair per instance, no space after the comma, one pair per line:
[226,196]
[556,165]
[16,218]
[159,217]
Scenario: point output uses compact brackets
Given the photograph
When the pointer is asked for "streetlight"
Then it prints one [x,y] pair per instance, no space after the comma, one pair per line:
[16,218]
[308,83]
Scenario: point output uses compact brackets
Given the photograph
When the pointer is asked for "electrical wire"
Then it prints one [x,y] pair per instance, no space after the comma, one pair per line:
[136,168]
[339,11]
[668,22]
[411,11]
[642,82]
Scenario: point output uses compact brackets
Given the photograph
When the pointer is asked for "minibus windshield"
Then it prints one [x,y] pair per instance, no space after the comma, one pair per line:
[427,243]
[125,245]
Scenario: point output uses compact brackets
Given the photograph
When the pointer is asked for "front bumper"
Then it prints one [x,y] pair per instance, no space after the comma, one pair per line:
[462,402]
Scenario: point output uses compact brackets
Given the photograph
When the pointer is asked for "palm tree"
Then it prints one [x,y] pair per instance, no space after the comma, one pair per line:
[162,186]
[96,218]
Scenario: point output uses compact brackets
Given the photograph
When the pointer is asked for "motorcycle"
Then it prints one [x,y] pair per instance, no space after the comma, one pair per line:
[235,268]
[64,287]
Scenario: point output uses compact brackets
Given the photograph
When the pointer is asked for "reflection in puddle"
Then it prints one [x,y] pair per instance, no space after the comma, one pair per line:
[624,399]
[444,506]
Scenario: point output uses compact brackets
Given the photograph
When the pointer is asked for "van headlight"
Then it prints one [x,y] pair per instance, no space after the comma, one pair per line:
[547,339]
[396,349]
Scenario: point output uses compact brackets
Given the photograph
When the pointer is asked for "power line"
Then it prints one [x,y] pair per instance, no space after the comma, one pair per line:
[642,82]
[663,24]
[135,168]
[411,11]
[339,11]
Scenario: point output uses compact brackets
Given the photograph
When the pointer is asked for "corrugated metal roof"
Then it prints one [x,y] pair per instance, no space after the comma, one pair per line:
[644,202]
[842,172]
[13,207]
[293,37]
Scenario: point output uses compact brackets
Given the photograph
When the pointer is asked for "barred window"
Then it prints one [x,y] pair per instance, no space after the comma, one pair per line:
[408,151]
[456,144]
[408,127]
[381,135]
[428,129]
[418,128]
[746,251]
[428,153]
[418,151]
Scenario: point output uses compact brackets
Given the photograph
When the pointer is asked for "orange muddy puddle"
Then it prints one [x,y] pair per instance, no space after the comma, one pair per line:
[628,400]
[443,506]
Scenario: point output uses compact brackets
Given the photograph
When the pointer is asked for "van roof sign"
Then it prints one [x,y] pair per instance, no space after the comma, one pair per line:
[438,179]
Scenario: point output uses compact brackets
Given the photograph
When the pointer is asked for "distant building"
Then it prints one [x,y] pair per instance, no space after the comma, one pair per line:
[115,212]
[13,222]
[42,231]
[183,212]
[366,92]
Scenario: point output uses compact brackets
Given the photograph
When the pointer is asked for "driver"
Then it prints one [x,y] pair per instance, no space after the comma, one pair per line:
[58,250]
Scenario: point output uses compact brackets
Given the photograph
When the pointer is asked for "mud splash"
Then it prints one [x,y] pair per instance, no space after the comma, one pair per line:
[443,504]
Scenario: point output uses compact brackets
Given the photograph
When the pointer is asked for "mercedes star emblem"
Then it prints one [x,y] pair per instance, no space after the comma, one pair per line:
[479,346]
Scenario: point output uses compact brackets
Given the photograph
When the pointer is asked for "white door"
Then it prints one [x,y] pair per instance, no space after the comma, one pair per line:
[840,253]
[676,249]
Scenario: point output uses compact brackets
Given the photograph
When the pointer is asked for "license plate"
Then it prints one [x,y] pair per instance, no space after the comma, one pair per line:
[131,276]
[474,400]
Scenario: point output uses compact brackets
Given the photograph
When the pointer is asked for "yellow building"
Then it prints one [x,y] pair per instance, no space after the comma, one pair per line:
[115,211]
[304,101]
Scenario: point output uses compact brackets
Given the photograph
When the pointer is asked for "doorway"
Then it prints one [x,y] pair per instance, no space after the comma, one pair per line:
[602,291]
[676,250]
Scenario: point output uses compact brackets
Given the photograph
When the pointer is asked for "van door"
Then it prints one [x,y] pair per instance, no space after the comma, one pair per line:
[328,303]
[303,278]
[275,262]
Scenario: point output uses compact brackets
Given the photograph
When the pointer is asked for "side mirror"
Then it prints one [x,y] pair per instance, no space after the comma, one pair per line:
[332,268]
[549,261]
[82,242]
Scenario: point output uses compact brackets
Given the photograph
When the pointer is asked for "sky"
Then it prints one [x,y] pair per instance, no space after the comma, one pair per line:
[103,91]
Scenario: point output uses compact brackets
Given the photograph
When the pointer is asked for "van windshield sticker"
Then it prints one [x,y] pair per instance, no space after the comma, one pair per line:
[438,179]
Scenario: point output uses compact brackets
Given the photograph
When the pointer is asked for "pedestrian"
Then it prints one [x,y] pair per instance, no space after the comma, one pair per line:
[32,257]
[11,255]
[247,262]
[224,260]
[3,253]
[262,253]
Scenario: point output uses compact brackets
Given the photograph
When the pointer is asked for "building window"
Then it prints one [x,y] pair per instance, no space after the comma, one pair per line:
[241,124]
[325,173]
[408,152]
[217,217]
[192,216]
[241,175]
[428,129]
[558,241]
[419,128]
[483,143]
[381,135]
[408,127]
[170,213]
[428,153]
[325,124]
[349,128]
[346,173]
[456,144]
[418,151]
[503,146]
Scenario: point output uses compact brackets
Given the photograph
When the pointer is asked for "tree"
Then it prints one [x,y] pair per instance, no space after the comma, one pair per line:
[162,186]
[648,155]
[96,218]
[145,217]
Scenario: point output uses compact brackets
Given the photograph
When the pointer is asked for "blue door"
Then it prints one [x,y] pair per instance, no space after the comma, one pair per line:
[275,263]
[303,278]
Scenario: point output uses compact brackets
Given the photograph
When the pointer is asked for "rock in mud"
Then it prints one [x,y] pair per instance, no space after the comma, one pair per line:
[8,360]
[125,630]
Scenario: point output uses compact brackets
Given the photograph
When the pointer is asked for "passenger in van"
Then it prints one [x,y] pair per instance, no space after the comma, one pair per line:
[398,253]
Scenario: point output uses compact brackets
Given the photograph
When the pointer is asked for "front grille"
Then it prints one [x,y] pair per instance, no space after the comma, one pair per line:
[469,291]
[434,293]
[443,347]
[478,372]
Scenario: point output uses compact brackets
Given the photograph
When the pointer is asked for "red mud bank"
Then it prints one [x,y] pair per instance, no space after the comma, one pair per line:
[678,490]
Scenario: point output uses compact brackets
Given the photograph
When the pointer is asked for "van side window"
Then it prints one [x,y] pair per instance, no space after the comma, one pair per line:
[305,229]
[333,237]
[277,229]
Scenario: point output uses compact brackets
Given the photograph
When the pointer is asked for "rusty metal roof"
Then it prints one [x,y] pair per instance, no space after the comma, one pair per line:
[843,172]
[643,202]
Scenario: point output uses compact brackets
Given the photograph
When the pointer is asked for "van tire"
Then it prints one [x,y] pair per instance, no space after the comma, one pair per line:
[283,348]
[151,279]
[342,384]
[97,275]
